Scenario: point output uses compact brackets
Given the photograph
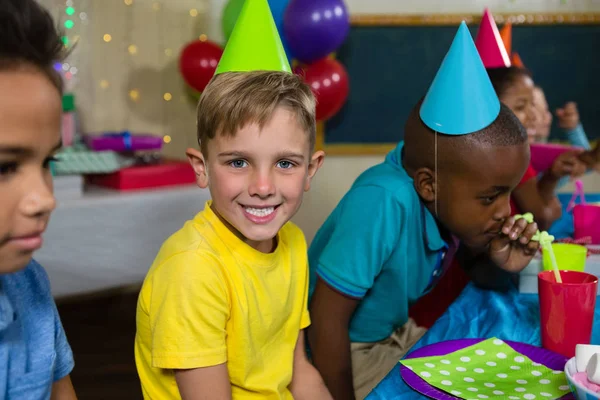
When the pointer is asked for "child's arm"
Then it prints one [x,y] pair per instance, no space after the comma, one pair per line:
[329,339]
[190,308]
[63,390]
[538,197]
[568,119]
[306,381]
[357,248]
[482,271]
[209,383]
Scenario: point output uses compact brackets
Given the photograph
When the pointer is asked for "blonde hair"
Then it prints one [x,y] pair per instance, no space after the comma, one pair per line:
[233,99]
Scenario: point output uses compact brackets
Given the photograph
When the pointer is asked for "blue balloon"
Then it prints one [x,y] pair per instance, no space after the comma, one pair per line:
[278,8]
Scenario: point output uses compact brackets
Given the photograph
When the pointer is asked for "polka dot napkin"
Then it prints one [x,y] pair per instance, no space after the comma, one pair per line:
[490,369]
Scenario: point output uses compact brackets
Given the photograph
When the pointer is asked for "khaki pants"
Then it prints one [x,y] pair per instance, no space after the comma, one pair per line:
[371,362]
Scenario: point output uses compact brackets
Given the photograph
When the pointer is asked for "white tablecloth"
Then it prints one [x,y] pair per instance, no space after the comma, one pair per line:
[109,239]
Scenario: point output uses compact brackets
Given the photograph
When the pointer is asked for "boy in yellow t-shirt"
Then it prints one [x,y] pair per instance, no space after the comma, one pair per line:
[222,311]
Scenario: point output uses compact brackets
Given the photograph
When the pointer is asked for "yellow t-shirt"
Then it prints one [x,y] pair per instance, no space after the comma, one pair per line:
[209,298]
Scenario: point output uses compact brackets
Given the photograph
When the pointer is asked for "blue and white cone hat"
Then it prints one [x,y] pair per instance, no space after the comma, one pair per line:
[461,98]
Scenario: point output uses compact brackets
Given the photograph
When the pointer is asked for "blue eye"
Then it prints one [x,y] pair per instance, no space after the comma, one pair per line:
[285,164]
[238,163]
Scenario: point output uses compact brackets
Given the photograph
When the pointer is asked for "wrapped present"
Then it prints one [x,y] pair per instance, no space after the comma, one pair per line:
[167,173]
[78,159]
[123,142]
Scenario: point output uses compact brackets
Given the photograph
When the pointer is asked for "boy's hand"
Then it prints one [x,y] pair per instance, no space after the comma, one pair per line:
[567,164]
[568,116]
[513,249]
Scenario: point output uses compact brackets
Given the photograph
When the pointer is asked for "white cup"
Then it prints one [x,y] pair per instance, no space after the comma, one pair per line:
[583,353]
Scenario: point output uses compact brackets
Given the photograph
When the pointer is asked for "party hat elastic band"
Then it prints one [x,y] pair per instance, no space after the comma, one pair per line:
[506,35]
[254,44]
[461,98]
[489,43]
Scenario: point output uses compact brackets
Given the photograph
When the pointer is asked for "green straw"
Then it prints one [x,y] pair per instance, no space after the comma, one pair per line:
[545,240]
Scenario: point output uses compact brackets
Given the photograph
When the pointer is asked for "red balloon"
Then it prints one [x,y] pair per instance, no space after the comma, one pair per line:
[328,80]
[198,62]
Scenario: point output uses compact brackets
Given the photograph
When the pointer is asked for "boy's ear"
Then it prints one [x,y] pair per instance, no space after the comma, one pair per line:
[196,159]
[425,184]
[315,163]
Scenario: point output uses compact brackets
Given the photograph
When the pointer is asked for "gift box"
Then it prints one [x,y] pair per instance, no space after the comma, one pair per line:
[167,173]
[123,142]
[78,160]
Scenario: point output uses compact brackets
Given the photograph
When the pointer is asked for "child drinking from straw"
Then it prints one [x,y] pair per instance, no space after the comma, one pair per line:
[395,232]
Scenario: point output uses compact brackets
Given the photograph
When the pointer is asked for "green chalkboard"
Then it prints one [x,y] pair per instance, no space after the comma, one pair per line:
[391,67]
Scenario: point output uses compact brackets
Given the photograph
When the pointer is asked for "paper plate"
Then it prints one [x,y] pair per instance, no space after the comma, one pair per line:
[536,354]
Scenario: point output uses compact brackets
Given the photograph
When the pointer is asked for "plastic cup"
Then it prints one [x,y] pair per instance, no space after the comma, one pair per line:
[566,310]
[569,257]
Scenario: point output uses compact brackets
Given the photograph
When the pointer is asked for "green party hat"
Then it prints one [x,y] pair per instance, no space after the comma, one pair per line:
[254,44]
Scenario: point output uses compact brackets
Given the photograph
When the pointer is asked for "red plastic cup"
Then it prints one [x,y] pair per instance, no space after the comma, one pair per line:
[566,310]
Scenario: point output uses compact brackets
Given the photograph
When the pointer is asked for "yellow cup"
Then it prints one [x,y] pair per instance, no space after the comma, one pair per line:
[568,257]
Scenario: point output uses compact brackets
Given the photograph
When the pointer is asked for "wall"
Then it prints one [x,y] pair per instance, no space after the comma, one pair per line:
[122,83]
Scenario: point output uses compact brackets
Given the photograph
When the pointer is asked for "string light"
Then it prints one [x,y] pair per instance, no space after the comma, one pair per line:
[69,24]
[104,84]
[107,38]
[70,10]
[193,12]
[167,139]
[134,94]
[132,49]
[168,52]
[167,96]
[203,37]
[128,2]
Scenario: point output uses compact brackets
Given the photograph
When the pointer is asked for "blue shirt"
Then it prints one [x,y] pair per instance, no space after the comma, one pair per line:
[380,245]
[34,352]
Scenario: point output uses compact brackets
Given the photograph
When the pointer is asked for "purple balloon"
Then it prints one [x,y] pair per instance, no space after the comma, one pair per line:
[315,28]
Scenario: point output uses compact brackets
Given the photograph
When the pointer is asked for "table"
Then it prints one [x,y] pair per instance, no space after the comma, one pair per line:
[509,316]
[478,313]
[108,239]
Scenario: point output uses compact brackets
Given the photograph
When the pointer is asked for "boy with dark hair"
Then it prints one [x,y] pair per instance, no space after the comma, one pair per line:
[395,232]
[35,357]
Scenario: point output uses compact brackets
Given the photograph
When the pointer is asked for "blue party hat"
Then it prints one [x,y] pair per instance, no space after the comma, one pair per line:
[461,98]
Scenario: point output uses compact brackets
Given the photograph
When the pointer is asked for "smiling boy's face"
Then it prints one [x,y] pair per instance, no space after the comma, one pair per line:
[30,123]
[257,177]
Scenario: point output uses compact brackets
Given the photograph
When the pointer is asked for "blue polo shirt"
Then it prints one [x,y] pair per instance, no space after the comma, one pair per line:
[380,245]
[34,352]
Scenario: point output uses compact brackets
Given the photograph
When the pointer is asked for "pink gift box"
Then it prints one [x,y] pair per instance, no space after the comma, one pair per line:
[123,142]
